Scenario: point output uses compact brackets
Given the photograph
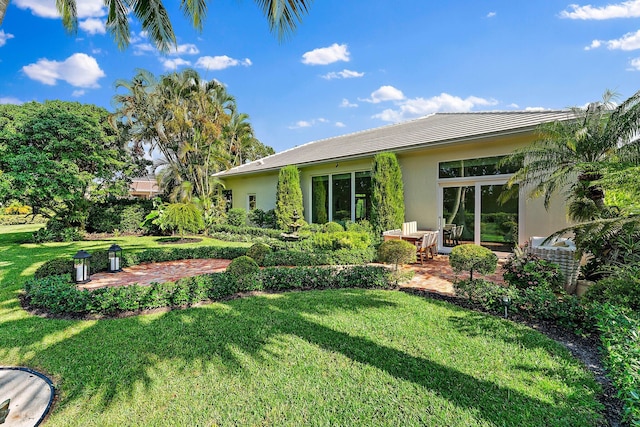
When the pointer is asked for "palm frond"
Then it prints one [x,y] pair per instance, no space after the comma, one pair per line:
[155,19]
[284,15]
[195,10]
[117,22]
[67,9]
[4,4]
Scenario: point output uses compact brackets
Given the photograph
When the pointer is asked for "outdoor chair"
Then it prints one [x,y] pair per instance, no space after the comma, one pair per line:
[427,246]
[456,234]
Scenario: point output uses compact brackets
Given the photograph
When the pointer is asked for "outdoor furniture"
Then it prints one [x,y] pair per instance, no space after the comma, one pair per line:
[447,231]
[456,234]
[427,245]
[561,251]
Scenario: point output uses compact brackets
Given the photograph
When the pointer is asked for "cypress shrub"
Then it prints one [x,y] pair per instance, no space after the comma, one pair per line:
[288,196]
[387,193]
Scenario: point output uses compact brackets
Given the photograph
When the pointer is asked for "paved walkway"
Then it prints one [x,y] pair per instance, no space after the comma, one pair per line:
[434,276]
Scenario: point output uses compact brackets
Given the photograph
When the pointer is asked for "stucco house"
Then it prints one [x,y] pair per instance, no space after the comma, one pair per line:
[448,163]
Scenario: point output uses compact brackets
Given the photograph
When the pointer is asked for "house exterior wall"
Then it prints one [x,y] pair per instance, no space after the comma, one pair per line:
[421,184]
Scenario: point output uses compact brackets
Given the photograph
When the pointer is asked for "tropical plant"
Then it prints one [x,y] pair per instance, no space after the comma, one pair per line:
[183,217]
[288,197]
[387,193]
[282,16]
[575,155]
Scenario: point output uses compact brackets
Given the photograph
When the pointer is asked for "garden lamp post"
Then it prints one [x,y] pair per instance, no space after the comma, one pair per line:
[506,301]
[115,259]
[81,270]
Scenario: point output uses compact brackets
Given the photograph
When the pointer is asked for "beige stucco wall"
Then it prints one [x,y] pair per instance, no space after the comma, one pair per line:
[262,185]
[421,184]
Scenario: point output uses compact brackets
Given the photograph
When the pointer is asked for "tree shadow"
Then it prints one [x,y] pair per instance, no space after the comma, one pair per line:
[111,358]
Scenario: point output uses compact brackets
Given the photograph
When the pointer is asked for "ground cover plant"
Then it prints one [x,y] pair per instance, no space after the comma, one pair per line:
[335,357]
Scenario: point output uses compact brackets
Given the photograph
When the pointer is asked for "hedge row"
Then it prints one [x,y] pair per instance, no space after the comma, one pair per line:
[100,259]
[56,295]
[253,231]
[620,337]
[22,219]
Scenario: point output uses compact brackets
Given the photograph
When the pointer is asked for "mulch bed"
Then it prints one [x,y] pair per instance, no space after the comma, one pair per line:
[584,348]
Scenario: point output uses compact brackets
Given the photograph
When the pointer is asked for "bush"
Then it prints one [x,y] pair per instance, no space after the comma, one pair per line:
[54,267]
[387,193]
[288,197]
[332,227]
[473,257]
[22,219]
[485,293]
[250,231]
[527,270]
[56,295]
[341,240]
[262,219]
[620,336]
[237,217]
[57,231]
[243,266]
[118,215]
[621,288]
[397,252]
[258,252]
[182,217]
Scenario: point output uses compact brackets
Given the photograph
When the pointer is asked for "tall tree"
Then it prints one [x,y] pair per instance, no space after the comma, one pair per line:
[288,196]
[282,17]
[387,193]
[58,155]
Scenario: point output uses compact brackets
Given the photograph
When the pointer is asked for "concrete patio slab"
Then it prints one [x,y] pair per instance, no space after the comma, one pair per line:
[31,395]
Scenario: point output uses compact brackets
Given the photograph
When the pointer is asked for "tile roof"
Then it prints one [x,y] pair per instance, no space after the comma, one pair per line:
[429,130]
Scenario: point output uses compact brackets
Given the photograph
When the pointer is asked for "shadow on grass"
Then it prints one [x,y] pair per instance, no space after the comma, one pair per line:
[110,357]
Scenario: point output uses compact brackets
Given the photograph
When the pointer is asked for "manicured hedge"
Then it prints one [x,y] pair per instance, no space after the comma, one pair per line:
[254,231]
[22,219]
[100,259]
[339,257]
[56,295]
[620,337]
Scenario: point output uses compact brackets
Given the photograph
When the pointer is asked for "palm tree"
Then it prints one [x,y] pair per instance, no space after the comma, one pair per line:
[575,155]
[282,16]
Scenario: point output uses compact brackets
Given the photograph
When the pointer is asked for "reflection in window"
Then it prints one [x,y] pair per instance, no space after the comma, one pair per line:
[252,202]
[363,195]
[320,199]
[341,203]
[474,167]
[227,195]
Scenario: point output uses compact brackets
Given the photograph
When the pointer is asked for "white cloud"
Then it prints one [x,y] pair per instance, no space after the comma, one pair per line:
[491,14]
[185,49]
[173,64]
[626,9]
[79,70]
[220,62]
[346,104]
[630,41]
[513,105]
[344,74]
[326,55]
[308,123]
[385,93]
[10,100]
[93,26]
[78,93]
[47,8]
[340,125]
[96,51]
[416,107]
[4,37]
[635,64]
[143,48]
[534,109]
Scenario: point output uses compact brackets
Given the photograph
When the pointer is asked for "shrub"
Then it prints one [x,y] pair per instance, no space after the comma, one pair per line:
[243,266]
[620,336]
[17,208]
[54,267]
[528,270]
[387,193]
[288,196]
[118,214]
[621,288]
[237,217]
[57,295]
[473,257]
[263,219]
[397,252]
[22,219]
[487,294]
[183,217]
[341,240]
[249,231]
[332,227]
[258,251]
[57,231]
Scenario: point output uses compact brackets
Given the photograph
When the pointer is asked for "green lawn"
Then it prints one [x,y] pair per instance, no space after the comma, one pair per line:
[339,357]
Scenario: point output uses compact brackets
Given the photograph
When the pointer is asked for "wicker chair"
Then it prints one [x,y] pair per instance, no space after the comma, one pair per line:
[560,251]
[427,246]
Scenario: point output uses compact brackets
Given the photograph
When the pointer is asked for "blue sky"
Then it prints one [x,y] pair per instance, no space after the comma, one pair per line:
[351,65]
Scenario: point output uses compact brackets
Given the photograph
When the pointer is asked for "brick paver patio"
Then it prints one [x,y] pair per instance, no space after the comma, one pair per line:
[434,276]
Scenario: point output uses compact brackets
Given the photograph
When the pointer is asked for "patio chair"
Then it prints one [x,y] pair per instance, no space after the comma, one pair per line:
[427,246]
[456,234]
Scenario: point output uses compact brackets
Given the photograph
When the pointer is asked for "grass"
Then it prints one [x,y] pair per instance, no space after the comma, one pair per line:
[339,357]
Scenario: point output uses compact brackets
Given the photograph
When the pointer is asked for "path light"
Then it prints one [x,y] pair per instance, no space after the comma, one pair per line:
[81,272]
[115,258]
[506,301]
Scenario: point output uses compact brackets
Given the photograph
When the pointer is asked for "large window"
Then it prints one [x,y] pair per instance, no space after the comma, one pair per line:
[251,201]
[341,197]
[474,167]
